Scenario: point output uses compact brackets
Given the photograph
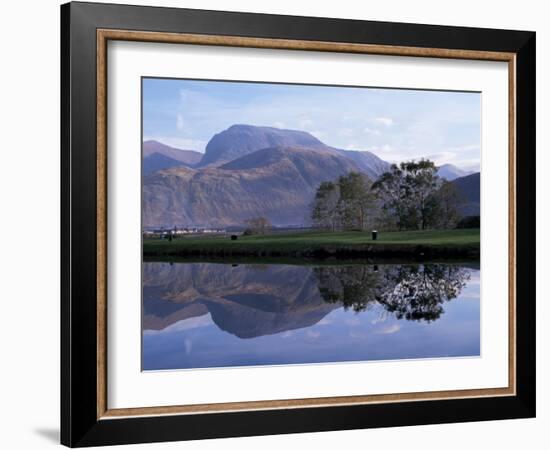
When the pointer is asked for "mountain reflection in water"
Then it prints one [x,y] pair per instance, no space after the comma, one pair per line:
[219,315]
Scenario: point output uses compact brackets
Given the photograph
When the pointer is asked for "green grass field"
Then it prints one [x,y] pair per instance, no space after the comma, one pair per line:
[312,242]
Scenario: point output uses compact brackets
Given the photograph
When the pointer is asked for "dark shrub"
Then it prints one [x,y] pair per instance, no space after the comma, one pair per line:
[468,222]
[248,232]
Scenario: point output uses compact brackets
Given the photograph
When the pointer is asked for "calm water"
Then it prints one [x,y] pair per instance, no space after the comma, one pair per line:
[219,315]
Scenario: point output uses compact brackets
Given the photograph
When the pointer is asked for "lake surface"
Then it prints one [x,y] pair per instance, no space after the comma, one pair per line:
[198,315]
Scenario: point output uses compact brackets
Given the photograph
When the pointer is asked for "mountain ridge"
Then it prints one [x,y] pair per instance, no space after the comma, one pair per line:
[246,172]
[159,156]
[240,140]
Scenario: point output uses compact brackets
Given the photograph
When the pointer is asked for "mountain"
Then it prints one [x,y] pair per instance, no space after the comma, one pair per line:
[246,303]
[246,171]
[158,156]
[278,183]
[257,300]
[158,161]
[451,172]
[240,140]
[368,162]
[469,189]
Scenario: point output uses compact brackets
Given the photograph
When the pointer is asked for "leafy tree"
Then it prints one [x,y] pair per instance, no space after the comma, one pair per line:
[354,286]
[421,182]
[468,222]
[408,194]
[415,292]
[356,200]
[346,203]
[448,199]
[418,292]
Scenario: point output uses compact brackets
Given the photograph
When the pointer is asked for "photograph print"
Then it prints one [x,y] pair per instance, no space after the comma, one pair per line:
[308,224]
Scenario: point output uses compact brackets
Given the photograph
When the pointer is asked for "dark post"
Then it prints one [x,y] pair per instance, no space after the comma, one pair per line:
[374,235]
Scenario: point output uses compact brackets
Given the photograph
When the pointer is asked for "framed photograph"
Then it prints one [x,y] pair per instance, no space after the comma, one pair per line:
[276,224]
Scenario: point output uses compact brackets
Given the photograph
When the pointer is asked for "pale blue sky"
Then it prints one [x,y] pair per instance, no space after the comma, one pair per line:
[395,124]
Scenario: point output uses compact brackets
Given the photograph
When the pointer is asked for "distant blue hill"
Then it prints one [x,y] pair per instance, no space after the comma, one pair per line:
[469,189]
[451,172]
[158,156]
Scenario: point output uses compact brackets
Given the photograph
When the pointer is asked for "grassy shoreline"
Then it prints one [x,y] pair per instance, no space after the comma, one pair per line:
[427,244]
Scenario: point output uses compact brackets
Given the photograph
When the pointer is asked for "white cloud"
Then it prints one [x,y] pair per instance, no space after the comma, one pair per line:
[357,335]
[372,131]
[386,148]
[305,122]
[318,134]
[465,148]
[386,121]
[184,95]
[181,143]
[353,322]
[188,343]
[313,334]
[442,158]
[324,321]
[382,317]
[346,132]
[390,330]
[279,124]
[180,123]
[464,157]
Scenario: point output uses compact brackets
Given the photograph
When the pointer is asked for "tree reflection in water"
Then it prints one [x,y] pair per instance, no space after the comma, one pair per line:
[411,292]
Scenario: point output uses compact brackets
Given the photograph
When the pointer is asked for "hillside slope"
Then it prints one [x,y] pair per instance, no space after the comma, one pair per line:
[158,156]
[278,183]
[469,189]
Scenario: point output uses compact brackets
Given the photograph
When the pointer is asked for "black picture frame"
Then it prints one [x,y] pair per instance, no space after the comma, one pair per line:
[80,425]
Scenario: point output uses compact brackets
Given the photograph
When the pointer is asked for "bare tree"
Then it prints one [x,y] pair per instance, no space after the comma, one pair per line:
[325,206]
[258,225]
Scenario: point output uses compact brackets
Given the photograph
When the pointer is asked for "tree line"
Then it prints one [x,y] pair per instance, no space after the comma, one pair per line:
[415,292]
[410,196]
